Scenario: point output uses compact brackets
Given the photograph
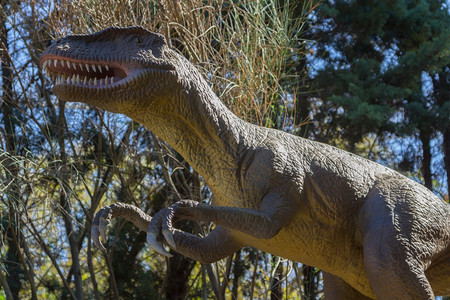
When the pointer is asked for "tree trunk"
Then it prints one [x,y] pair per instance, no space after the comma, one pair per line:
[238,271]
[180,267]
[447,156]
[276,286]
[179,270]
[425,138]
[64,201]
[441,87]
[309,284]
[14,270]
[302,105]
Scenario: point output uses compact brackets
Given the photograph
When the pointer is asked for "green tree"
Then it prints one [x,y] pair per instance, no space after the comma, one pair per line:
[372,58]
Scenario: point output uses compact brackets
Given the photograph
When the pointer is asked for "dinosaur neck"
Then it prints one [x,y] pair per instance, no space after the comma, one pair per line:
[204,131]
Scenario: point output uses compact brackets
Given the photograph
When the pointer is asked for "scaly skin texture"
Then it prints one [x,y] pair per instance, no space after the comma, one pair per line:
[374,232]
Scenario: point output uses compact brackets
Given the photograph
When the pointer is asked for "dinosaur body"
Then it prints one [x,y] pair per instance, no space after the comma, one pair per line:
[374,232]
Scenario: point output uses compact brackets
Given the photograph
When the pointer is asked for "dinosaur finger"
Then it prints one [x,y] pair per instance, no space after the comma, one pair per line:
[102,227]
[154,229]
[155,245]
[169,238]
[96,238]
[167,227]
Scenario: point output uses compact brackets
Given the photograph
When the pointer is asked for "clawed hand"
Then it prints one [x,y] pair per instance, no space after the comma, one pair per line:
[101,220]
[160,224]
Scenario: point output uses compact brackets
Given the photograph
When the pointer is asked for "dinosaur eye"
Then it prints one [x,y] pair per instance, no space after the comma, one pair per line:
[139,40]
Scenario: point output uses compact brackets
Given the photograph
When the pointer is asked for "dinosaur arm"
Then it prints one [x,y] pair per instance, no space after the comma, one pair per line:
[217,245]
[265,223]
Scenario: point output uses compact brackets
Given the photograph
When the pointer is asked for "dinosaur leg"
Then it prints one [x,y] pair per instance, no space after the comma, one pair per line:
[439,275]
[217,245]
[393,254]
[337,289]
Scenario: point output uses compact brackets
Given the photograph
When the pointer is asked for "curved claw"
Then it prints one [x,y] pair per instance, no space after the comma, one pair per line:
[101,221]
[155,245]
[96,237]
[169,238]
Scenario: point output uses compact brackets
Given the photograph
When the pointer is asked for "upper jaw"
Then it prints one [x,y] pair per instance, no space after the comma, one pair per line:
[84,73]
[111,85]
[95,73]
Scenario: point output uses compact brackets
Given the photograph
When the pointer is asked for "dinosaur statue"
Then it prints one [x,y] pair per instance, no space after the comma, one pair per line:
[375,233]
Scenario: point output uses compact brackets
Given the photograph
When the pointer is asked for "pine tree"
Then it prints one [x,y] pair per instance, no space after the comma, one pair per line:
[373,59]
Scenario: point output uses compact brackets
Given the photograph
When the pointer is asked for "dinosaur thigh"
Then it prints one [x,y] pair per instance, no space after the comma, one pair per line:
[397,245]
[439,273]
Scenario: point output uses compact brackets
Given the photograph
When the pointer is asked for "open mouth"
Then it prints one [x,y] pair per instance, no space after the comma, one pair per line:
[91,74]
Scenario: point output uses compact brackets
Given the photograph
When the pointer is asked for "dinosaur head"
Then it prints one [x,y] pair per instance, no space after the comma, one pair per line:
[113,69]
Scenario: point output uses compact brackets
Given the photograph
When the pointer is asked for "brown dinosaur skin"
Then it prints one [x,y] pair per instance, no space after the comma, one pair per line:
[374,232]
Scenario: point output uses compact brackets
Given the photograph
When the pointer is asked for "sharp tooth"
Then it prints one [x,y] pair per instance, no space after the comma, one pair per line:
[106,80]
[87,67]
[93,68]
[112,80]
[74,79]
[95,80]
[68,64]
[81,66]
[55,62]
[101,81]
[78,78]
[106,67]
[90,81]
[44,65]
[84,80]
[99,68]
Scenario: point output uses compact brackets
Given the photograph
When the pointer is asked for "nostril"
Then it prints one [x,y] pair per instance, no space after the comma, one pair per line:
[63,47]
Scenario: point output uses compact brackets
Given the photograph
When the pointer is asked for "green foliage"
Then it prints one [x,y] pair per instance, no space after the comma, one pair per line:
[380,66]
[376,51]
